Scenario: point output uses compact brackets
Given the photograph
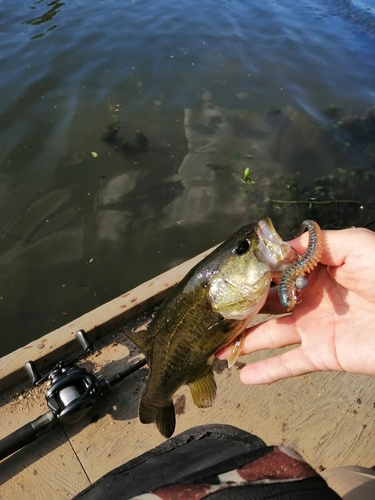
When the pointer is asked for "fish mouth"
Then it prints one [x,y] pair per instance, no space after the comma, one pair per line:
[272,249]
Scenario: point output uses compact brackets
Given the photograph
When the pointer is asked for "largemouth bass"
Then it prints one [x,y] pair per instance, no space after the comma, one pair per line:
[209,309]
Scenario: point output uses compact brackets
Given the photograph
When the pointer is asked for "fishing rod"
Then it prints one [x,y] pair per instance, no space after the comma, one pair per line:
[72,394]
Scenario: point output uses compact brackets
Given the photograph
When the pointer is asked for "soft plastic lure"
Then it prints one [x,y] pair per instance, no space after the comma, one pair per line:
[293,279]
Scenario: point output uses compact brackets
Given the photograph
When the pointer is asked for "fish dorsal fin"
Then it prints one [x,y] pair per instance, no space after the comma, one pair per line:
[141,339]
[203,390]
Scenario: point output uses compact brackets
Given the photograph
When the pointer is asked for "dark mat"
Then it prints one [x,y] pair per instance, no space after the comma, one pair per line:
[197,457]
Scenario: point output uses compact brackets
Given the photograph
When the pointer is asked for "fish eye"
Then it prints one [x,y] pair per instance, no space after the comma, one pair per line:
[242,247]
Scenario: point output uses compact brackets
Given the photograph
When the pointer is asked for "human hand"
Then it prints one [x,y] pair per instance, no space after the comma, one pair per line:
[334,321]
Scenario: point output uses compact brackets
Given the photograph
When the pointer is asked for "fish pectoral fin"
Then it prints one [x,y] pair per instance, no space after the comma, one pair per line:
[141,340]
[235,349]
[164,417]
[203,390]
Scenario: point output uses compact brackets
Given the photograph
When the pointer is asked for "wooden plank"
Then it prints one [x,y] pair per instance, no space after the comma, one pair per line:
[327,417]
[61,342]
[47,468]
[110,435]
[116,413]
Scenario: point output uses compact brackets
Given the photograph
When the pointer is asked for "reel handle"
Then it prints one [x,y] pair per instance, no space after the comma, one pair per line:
[84,341]
[32,372]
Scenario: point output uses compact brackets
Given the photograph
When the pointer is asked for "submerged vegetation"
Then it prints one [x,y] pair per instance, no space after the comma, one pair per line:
[249,184]
[339,200]
[335,201]
[139,144]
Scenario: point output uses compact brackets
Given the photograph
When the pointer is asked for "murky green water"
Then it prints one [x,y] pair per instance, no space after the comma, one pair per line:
[215,86]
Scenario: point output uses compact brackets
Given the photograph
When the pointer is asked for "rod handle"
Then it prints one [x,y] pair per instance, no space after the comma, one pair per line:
[26,434]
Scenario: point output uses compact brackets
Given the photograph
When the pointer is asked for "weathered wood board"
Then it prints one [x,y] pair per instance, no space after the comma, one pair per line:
[47,468]
[327,417]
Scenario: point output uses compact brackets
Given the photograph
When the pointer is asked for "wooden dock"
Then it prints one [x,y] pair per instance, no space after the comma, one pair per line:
[329,418]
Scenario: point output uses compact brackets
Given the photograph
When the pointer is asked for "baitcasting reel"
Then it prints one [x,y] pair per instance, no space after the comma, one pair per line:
[72,394]
[73,389]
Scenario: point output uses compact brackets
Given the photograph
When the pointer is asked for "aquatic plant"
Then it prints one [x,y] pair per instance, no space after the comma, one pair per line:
[246,176]
[342,200]
[139,144]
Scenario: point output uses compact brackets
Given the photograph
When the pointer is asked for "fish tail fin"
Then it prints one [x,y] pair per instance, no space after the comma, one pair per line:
[164,417]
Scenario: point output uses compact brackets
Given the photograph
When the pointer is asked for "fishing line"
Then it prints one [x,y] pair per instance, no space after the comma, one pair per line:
[72,394]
